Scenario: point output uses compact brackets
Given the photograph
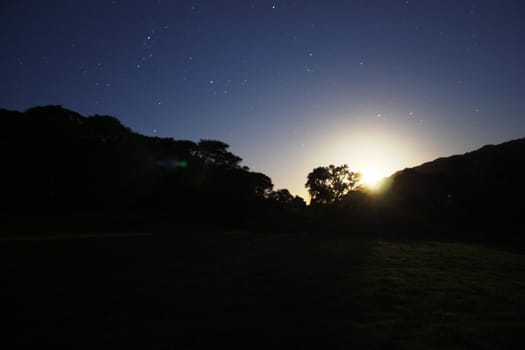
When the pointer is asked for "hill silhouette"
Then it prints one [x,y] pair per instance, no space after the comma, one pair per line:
[58,161]
[478,191]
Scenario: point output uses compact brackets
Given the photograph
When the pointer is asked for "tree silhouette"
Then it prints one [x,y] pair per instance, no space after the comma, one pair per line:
[330,184]
[259,183]
[216,153]
[67,162]
[284,198]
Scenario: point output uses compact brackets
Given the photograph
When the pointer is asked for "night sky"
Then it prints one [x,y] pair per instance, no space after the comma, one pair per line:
[290,85]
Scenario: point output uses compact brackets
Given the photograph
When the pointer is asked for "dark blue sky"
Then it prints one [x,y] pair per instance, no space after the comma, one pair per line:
[290,85]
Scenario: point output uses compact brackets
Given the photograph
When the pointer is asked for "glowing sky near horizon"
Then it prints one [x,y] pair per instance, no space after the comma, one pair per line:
[290,85]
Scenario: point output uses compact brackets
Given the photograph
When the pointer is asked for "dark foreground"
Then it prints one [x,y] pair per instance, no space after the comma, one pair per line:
[209,290]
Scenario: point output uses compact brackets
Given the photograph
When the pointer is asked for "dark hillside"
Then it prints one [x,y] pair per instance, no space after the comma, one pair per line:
[482,189]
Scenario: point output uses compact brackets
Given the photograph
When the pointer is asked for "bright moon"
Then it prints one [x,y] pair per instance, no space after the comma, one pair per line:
[370,178]
[372,151]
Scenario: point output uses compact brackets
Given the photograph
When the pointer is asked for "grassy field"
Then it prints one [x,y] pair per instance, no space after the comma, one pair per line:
[199,290]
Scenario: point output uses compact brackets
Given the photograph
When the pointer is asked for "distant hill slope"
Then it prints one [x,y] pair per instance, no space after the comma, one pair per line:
[483,185]
[494,159]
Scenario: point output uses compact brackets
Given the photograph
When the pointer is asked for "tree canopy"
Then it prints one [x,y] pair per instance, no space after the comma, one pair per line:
[216,152]
[65,161]
[329,184]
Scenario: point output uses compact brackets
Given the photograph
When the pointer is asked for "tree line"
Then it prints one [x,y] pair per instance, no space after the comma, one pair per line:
[57,161]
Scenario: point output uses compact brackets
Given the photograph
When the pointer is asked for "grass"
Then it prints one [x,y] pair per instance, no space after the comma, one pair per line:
[192,289]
